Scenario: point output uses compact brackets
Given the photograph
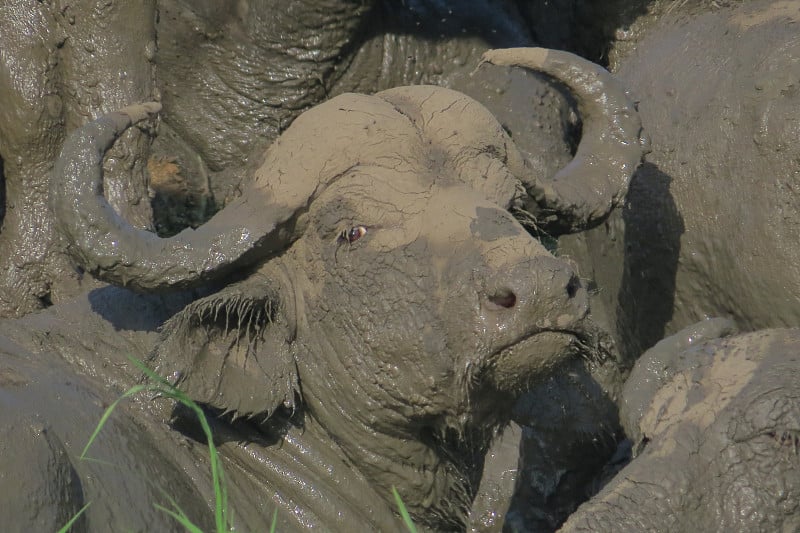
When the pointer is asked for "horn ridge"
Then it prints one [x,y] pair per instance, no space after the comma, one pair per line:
[583,193]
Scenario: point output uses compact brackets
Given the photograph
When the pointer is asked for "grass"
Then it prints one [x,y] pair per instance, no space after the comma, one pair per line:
[222,516]
[401,507]
[73,519]
[157,384]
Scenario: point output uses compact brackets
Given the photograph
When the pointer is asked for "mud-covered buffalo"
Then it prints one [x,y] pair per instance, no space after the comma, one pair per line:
[380,306]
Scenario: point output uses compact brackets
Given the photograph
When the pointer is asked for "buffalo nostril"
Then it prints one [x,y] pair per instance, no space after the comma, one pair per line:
[573,286]
[504,298]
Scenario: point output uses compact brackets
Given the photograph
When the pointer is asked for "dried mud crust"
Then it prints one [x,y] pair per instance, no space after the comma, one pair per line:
[51,80]
[85,60]
[646,15]
[717,444]
[347,264]
[168,171]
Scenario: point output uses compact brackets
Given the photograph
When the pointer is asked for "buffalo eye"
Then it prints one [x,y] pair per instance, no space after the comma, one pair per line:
[353,234]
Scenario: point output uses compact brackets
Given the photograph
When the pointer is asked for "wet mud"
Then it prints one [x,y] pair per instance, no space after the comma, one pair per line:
[407,396]
[680,248]
[710,218]
[708,417]
[49,411]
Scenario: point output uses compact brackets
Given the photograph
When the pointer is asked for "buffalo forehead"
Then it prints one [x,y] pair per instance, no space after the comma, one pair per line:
[453,119]
[400,211]
[492,223]
[352,131]
[368,196]
[326,141]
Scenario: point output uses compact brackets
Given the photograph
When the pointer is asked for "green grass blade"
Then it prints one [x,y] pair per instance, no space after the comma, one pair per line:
[152,376]
[274,523]
[161,386]
[73,519]
[99,462]
[404,512]
[177,513]
[181,518]
[217,476]
[103,419]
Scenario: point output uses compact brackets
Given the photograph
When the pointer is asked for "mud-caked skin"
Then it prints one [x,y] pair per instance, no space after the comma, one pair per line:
[411,342]
[438,374]
[231,76]
[54,74]
[710,222]
[377,311]
[442,329]
[49,411]
[709,229]
[717,437]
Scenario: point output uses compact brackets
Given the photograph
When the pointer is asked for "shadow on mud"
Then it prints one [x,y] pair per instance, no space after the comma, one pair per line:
[570,432]
[130,311]
[266,430]
[653,228]
[583,27]
[572,443]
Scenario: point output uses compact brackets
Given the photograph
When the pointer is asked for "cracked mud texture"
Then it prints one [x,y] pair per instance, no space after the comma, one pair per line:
[685,246]
[376,344]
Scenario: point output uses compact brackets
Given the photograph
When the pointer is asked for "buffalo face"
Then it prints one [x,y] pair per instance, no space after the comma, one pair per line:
[378,289]
[404,322]
[434,286]
[426,313]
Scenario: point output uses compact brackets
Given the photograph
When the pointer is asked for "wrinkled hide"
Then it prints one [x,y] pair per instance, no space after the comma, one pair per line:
[231,76]
[378,308]
[708,229]
[710,225]
[717,429]
[407,345]
[59,371]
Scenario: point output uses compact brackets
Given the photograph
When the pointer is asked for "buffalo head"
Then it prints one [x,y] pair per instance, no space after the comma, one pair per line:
[377,281]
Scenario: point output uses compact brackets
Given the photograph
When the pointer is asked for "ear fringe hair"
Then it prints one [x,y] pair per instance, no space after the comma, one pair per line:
[227,312]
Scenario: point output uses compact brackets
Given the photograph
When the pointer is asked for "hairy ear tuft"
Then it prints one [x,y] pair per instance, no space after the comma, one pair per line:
[232,350]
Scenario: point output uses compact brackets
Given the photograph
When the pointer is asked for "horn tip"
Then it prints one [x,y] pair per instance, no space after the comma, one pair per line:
[138,112]
[509,57]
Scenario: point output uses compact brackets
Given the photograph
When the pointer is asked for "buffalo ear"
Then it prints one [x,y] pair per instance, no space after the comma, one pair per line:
[232,350]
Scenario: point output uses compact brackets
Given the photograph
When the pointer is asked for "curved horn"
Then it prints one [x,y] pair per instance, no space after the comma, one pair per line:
[114,251]
[584,192]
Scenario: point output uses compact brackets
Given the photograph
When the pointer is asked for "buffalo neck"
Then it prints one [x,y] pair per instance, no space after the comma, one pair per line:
[440,487]
[304,475]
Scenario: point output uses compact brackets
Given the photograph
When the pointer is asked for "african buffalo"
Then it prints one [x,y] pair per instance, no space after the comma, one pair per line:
[377,311]
[709,228]
[715,424]
[711,219]
[231,77]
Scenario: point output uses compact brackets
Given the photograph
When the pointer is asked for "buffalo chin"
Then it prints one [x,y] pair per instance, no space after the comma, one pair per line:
[515,368]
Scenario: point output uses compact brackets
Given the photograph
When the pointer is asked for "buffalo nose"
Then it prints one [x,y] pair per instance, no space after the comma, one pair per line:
[555,287]
[572,286]
[503,297]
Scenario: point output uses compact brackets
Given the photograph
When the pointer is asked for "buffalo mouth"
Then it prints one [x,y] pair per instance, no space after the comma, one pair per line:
[516,365]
